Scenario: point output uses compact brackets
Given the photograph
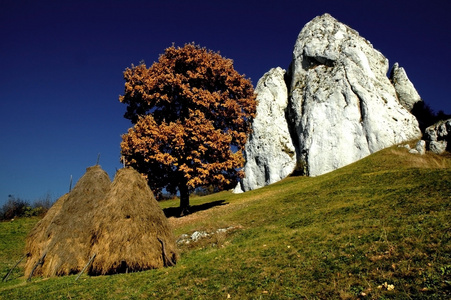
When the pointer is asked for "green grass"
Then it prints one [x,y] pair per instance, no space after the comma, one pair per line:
[12,243]
[384,219]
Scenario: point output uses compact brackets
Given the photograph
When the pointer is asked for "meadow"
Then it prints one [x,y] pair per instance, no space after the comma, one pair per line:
[377,229]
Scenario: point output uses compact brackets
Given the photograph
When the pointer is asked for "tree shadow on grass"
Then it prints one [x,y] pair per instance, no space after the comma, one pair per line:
[176,212]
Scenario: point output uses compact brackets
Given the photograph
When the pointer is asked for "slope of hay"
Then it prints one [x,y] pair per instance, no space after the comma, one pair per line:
[39,237]
[120,222]
[64,241]
[131,232]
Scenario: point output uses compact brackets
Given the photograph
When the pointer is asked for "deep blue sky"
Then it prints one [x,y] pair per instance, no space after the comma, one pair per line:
[61,66]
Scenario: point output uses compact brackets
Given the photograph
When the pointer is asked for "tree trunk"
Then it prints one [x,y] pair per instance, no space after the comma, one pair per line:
[184,199]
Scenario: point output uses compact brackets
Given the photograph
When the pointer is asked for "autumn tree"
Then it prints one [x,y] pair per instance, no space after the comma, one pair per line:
[192,113]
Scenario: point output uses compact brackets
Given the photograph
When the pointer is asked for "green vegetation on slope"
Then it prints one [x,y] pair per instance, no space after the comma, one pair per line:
[12,244]
[377,229]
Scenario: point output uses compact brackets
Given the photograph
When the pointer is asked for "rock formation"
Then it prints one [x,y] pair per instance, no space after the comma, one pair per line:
[437,139]
[269,153]
[420,148]
[341,106]
[438,136]
[406,92]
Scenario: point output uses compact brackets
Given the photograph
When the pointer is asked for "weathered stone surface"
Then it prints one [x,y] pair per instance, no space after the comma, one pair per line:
[413,151]
[342,105]
[406,92]
[407,146]
[438,136]
[270,153]
[438,147]
[439,131]
[421,147]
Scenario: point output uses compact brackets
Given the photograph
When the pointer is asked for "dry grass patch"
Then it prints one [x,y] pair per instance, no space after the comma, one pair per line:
[428,160]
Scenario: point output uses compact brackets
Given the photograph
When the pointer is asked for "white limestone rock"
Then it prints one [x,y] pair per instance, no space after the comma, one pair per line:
[342,105]
[421,147]
[407,146]
[270,154]
[438,136]
[406,92]
[439,131]
[438,147]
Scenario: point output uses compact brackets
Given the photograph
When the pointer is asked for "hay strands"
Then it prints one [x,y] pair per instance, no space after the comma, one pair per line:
[10,271]
[86,266]
[107,215]
[40,262]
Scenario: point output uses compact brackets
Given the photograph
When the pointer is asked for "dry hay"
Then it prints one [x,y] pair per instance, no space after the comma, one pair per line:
[39,238]
[65,240]
[429,160]
[120,222]
[131,231]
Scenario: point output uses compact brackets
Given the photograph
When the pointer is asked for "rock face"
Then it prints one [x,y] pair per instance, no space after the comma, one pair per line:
[420,148]
[270,153]
[406,92]
[438,136]
[341,107]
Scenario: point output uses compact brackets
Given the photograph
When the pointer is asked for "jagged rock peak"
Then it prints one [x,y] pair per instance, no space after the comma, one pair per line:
[342,105]
[326,41]
[335,106]
[406,92]
[270,154]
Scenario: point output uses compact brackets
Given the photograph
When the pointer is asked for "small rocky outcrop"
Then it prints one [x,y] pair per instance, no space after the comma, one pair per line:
[270,154]
[438,136]
[406,92]
[437,139]
[420,148]
[340,107]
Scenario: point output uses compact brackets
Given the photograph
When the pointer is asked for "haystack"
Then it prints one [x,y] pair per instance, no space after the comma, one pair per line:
[131,231]
[121,225]
[59,244]
[39,238]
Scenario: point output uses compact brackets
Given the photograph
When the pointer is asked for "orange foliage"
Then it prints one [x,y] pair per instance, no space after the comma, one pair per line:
[192,114]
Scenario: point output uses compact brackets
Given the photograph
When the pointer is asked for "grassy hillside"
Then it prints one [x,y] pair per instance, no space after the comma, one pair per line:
[377,229]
